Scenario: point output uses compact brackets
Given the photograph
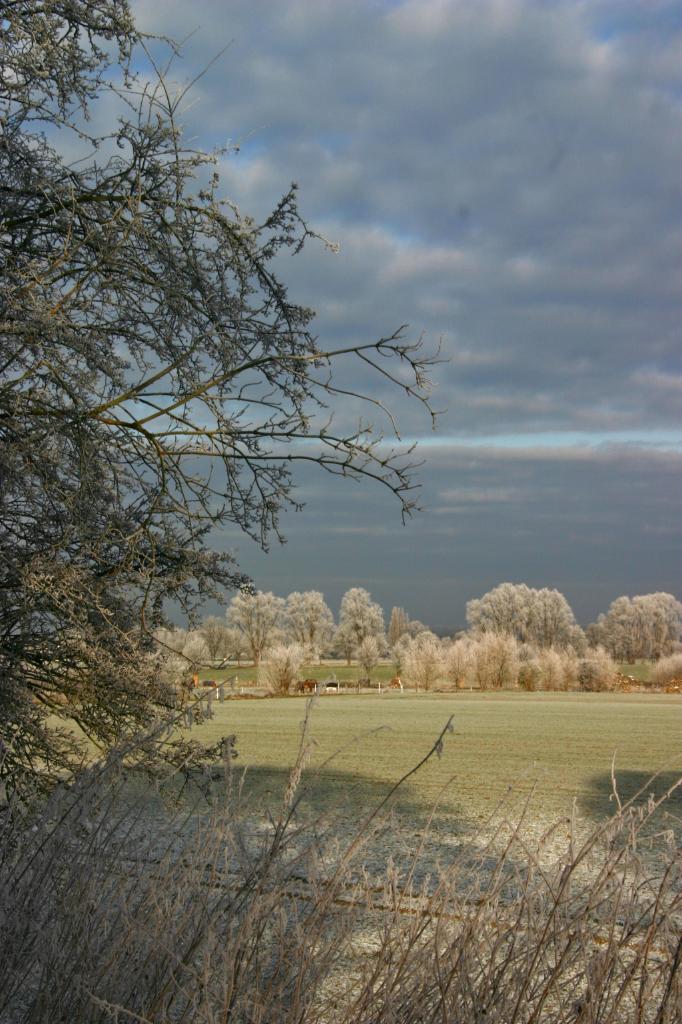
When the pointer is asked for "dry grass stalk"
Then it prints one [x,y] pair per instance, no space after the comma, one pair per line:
[112,908]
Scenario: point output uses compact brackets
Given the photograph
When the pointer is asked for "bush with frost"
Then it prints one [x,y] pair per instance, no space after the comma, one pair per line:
[282,667]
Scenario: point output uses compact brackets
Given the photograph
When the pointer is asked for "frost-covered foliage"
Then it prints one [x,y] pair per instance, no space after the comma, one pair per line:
[552,673]
[359,617]
[227,918]
[309,621]
[667,669]
[597,671]
[171,639]
[540,617]
[282,667]
[495,661]
[368,654]
[397,653]
[196,650]
[155,381]
[259,618]
[423,660]
[397,625]
[646,626]
[458,662]
[218,637]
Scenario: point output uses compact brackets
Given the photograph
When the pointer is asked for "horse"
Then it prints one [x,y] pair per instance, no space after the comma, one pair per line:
[306,686]
[396,684]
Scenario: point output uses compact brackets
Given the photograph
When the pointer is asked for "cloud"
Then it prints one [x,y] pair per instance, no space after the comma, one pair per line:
[595,523]
[503,175]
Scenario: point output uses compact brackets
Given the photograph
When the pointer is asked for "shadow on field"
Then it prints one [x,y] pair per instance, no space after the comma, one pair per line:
[339,802]
[333,793]
[600,802]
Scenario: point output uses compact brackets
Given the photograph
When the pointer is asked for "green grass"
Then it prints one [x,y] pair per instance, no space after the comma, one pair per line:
[348,674]
[248,675]
[562,742]
[639,669]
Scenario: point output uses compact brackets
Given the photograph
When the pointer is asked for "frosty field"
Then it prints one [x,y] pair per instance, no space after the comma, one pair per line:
[561,744]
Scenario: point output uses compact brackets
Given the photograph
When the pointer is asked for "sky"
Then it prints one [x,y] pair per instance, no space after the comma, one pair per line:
[503,176]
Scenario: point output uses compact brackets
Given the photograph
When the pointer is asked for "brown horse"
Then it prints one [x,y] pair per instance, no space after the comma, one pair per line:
[306,686]
[395,684]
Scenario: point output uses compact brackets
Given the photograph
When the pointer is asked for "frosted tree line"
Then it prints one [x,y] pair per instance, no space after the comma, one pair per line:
[517,636]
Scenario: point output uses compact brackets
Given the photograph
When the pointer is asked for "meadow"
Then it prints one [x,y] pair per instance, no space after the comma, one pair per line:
[214,910]
[559,744]
[348,675]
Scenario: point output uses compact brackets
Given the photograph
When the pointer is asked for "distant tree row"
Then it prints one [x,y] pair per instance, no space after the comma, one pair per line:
[256,622]
[648,626]
[497,661]
[516,635]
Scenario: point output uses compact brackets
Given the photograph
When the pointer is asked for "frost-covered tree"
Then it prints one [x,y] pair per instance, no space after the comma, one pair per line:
[259,618]
[196,650]
[217,636]
[360,616]
[617,630]
[542,617]
[345,643]
[368,654]
[397,653]
[457,662]
[504,609]
[552,622]
[645,626]
[235,645]
[424,660]
[309,621]
[174,670]
[156,378]
[397,625]
[664,623]
[415,627]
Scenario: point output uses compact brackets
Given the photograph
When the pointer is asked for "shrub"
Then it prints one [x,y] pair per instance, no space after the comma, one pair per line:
[424,660]
[597,671]
[458,663]
[529,675]
[282,667]
[551,669]
[571,669]
[557,669]
[667,669]
[495,661]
